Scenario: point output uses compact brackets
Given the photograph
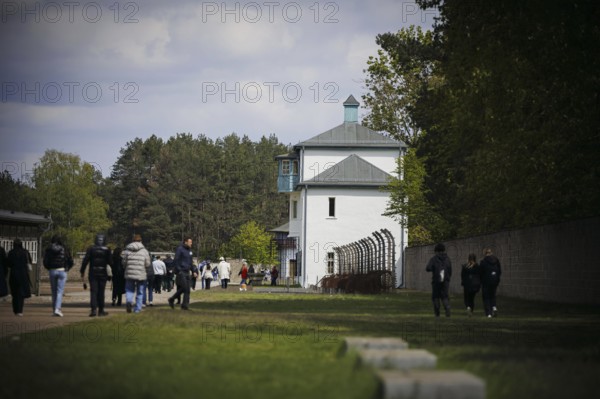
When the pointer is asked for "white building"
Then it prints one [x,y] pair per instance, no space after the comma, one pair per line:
[334,181]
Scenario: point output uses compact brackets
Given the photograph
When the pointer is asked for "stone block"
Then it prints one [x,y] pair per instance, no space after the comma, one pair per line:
[431,384]
[402,359]
[374,343]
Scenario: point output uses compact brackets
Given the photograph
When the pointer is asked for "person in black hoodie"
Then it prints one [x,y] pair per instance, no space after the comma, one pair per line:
[58,261]
[3,272]
[18,259]
[118,278]
[471,281]
[441,271]
[99,257]
[490,278]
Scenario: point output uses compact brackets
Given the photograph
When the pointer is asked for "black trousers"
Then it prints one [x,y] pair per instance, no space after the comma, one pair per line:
[183,281]
[439,291]
[157,283]
[470,298]
[488,292]
[97,286]
[224,282]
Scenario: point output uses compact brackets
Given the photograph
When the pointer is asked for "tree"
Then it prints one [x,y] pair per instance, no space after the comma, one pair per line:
[408,203]
[254,244]
[194,186]
[68,189]
[397,80]
[508,115]
[16,195]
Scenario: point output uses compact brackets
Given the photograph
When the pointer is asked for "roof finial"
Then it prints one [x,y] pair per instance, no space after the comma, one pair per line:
[351,110]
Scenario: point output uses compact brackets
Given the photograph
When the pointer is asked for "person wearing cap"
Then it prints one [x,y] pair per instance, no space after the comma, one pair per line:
[441,271]
[136,260]
[99,257]
[224,272]
[184,264]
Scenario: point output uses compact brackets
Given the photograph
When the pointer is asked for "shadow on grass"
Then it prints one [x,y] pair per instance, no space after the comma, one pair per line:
[287,345]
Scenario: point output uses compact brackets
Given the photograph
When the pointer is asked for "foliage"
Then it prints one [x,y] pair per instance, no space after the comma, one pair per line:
[254,244]
[16,195]
[506,116]
[67,188]
[193,186]
[397,79]
[408,203]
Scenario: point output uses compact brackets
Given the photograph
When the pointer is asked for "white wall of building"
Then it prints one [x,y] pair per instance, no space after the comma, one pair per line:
[358,213]
[317,160]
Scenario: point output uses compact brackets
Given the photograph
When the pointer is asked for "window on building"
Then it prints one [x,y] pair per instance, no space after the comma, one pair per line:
[285,167]
[330,262]
[294,209]
[289,167]
[331,207]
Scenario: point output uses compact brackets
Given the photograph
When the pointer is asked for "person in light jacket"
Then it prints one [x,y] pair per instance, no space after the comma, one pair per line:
[224,272]
[207,276]
[136,260]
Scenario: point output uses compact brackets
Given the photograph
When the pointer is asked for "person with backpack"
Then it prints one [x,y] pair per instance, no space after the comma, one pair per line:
[471,282]
[490,279]
[57,261]
[440,268]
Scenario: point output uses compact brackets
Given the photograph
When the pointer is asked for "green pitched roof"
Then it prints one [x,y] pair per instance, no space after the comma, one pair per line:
[350,134]
[352,171]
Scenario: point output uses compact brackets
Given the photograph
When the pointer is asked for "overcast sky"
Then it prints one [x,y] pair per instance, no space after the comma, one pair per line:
[87,77]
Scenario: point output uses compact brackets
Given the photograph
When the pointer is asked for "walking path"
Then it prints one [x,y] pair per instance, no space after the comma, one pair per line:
[37,313]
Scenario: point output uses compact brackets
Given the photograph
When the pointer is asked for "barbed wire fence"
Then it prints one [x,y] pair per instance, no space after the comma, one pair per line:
[365,266]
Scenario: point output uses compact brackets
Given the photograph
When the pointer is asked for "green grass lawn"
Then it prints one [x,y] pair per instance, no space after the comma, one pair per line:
[253,345]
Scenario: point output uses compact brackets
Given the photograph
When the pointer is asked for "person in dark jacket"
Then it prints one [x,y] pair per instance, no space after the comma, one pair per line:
[18,259]
[471,282]
[184,264]
[441,271]
[168,279]
[58,261]
[118,278]
[490,278]
[3,272]
[99,258]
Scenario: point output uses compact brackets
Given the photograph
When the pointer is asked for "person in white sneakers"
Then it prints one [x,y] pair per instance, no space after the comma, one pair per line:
[224,272]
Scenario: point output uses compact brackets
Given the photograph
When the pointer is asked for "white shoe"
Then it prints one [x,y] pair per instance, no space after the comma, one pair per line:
[58,313]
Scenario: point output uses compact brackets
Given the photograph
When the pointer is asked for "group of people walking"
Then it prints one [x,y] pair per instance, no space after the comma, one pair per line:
[484,276]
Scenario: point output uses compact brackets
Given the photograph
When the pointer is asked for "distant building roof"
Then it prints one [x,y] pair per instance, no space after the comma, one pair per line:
[22,217]
[352,171]
[289,155]
[351,101]
[284,228]
[351,135]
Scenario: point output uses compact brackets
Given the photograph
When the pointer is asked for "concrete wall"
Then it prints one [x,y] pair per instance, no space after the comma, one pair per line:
[558,262]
